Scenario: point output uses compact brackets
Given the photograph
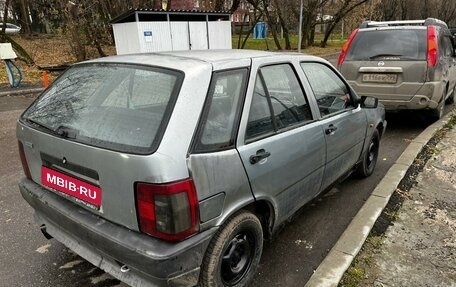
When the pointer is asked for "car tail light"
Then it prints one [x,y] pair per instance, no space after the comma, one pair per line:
[24,160]
[432,46]
[168,211]
[345,48]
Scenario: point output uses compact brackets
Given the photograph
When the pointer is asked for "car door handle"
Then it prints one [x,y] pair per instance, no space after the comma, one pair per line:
[331,129]
[260,154]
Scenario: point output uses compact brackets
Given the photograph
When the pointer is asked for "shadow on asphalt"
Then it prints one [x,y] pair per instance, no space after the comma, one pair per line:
[407,120]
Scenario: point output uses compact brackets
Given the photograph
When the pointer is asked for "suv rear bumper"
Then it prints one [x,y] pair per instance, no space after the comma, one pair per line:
[150,262]
[428,96]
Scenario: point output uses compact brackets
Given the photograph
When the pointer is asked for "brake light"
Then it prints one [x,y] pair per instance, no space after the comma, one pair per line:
[432,46]
[24,160]
[168,211]
[345,48]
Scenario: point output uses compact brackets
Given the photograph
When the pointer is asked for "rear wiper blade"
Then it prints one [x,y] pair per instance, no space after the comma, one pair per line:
[63,131]
[67,132]
[384,55]
[40,125]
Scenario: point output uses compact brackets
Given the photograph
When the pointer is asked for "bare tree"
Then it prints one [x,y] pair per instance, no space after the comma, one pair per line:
[345,7]
[283,24]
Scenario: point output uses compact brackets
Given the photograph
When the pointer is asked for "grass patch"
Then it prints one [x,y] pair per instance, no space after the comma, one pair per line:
[355,274]
[333,46]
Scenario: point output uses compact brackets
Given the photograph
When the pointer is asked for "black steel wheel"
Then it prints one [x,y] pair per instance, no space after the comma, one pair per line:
[367,166]
[234,253]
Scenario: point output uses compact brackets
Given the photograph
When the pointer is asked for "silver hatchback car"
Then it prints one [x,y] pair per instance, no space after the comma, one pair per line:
[169,169]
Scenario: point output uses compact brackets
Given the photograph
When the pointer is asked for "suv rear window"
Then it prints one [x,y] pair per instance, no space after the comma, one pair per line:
[115,106]
[389,44]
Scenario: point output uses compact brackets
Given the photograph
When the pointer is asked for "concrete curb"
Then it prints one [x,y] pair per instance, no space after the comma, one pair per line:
[21,92]
[333,267]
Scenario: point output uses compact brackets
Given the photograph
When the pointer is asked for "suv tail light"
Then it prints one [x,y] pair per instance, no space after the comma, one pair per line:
[432,46]
[24,160]
[345,48]
[168,211]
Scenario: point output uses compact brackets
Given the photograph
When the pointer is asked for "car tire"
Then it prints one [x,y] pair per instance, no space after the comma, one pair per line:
[367,165]
[234,253]
[450,100]
[437,113]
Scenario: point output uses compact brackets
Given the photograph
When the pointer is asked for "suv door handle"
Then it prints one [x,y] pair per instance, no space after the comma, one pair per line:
[260,154]
[331,129]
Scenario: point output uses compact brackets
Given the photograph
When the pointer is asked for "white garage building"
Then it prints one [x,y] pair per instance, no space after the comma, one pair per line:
[147,30]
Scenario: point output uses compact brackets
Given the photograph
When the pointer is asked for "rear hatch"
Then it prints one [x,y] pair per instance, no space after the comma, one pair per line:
[90,137]
[389,62]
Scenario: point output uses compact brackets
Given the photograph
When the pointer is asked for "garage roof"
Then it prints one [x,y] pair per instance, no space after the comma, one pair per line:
[151,15]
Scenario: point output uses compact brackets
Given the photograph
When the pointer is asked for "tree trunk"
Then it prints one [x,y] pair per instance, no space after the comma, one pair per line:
[273,27]
[76,42]
[235,5]
[283,25]
[5,16]
[26,26]
[251,29]
[240,31]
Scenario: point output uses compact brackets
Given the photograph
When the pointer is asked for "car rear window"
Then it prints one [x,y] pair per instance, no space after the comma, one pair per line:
[114,106]
[389,44]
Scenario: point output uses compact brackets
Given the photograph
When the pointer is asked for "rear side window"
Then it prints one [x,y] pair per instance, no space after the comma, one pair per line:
[447,46]
[119,107]
[218,127]
[389,44]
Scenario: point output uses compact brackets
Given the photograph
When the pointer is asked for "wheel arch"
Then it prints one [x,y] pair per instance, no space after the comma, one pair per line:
[265,211]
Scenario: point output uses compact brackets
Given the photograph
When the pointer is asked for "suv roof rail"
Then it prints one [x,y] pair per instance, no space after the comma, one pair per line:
[427,22]
[436,22]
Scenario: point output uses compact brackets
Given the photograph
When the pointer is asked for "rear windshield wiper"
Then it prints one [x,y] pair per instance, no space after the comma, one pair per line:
[40,125]
[67,132]
[384,56]
[63,131]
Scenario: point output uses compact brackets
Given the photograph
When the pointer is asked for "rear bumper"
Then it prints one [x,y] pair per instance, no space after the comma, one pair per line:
[150,262]
[427,96]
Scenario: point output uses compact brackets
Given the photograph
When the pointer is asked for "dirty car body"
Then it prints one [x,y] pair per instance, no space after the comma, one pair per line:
[407,65]
[167,169]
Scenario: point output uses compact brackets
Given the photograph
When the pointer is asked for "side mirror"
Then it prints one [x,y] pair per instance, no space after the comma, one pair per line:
[369,102]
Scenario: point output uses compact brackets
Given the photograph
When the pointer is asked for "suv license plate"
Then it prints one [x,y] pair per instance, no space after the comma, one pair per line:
[79,189]
[380,78]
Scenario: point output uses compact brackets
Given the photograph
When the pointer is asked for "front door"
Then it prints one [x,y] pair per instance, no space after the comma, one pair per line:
[343,122]
[283,150]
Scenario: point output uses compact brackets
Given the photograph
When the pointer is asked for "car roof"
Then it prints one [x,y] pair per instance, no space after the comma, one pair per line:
[188,60]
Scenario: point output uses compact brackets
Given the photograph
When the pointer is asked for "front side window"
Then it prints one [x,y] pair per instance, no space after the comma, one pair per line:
[278,101]
[219,122]
[114,106]
[330,91]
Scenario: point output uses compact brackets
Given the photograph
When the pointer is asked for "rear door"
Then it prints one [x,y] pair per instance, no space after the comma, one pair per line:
[281,145]
[344,124]
[389,63]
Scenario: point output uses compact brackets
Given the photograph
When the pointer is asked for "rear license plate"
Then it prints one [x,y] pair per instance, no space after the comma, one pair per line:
[79,189]
[380,78]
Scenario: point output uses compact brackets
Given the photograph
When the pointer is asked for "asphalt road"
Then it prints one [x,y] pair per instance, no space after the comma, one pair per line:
[28,259]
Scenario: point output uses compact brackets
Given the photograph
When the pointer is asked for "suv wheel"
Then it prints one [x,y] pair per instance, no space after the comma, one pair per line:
[437,113]
[234,253]
[367,166]
[451,99]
